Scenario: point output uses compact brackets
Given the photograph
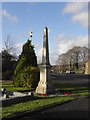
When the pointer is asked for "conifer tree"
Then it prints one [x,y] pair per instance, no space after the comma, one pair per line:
[26,72]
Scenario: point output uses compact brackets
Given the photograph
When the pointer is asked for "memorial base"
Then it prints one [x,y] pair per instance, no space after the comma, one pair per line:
[45,84]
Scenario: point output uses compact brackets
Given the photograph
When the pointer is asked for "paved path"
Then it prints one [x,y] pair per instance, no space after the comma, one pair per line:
[74,109]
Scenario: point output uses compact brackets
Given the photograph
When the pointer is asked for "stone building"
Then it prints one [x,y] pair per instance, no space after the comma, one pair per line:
[87,67]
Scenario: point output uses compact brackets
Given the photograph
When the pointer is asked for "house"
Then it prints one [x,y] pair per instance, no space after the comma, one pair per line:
[87,67]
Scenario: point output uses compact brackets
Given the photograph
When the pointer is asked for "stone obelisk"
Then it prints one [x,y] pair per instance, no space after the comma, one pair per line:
[45,85]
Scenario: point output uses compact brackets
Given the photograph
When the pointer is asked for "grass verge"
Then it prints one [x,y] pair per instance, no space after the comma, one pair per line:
[76,91]
[37,103]
[10,87]
[31,105]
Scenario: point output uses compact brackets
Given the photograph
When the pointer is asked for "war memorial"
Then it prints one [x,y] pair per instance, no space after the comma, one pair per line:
[45,83]
[45,86]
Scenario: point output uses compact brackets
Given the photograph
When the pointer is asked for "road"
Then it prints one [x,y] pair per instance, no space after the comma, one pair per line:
[74,109]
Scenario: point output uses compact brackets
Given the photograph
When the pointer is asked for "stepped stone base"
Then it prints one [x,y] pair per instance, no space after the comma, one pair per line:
[43,89]
[45,83]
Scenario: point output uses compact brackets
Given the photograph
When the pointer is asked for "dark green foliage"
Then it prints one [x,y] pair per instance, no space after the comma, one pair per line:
[28,54]
[8,65]
[26,72]
[27,77]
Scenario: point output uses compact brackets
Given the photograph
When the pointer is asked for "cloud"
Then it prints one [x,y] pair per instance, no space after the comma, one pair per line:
[39,55]
[49,30]
[18,47]
[64,43]
[78,0]
[38,50]
[74,7]
[22,35]
[45,0]
[9,16]
[0,48]
[79,12]
[82,18]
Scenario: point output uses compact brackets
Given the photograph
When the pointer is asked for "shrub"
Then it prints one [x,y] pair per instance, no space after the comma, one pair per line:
[28,77]
[26,73]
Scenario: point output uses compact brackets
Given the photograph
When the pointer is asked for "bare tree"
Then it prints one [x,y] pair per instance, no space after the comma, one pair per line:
[73,58]
[62,62]
[84,55]
[10,49]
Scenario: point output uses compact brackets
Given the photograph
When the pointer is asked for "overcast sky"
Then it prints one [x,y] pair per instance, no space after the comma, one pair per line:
[67,23]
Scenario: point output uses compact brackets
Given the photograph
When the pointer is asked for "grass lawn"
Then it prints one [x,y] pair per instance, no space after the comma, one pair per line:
[75,90]
[39,101]
[68,86]
[31,105]
[10,87]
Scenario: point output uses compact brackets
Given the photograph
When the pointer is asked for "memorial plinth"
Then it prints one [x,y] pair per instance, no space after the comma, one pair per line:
[45,83]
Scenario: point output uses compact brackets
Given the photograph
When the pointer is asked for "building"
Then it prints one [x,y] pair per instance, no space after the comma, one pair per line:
[87,67]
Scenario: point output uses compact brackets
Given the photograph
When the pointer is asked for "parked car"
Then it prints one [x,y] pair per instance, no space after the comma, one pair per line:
[67,72]
[72,72]
[60,72]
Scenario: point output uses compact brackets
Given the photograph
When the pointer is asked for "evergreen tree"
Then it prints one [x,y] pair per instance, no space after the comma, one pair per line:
[29,54]
[8,65]
[26,72]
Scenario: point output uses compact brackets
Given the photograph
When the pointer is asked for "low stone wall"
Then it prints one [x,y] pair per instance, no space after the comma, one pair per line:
[71,78]
[10,101]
